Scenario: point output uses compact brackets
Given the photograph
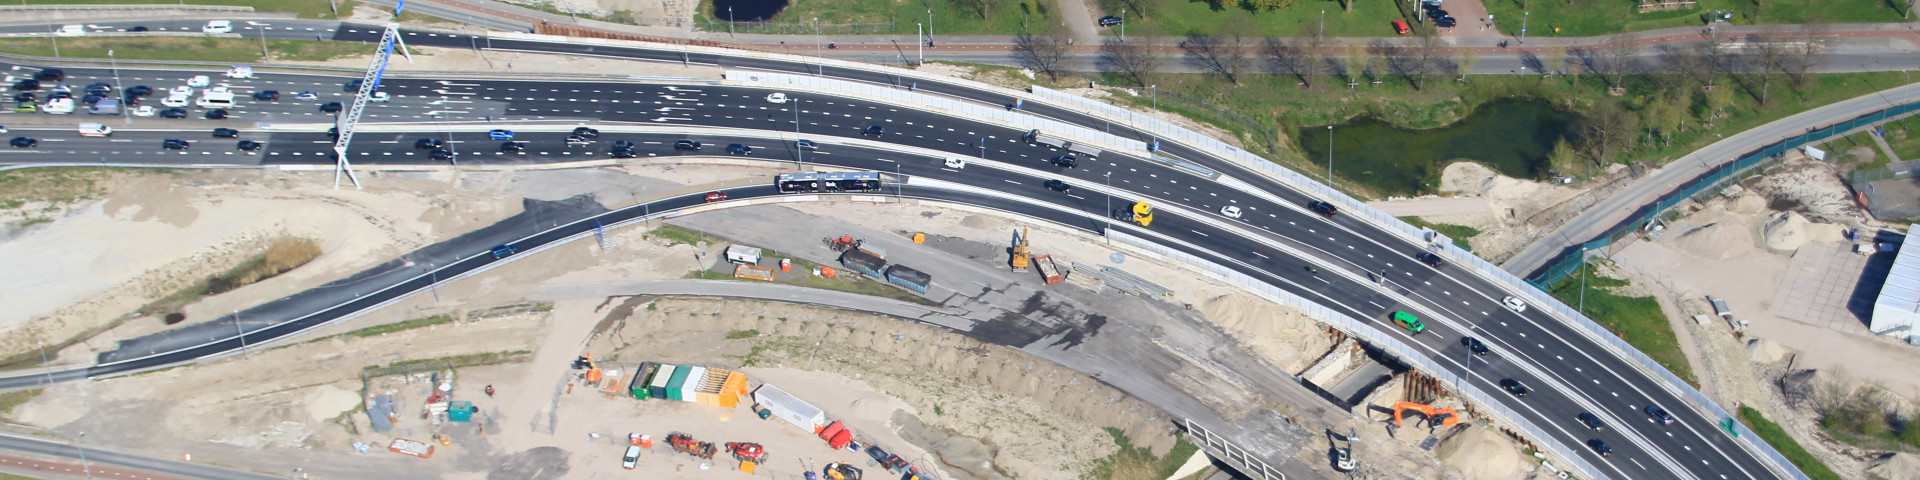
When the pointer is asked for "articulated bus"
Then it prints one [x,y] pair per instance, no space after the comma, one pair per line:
[827,182]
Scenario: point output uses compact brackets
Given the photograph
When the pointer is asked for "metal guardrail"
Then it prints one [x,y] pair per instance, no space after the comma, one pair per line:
[259,68]
[1218,447]
[154,7]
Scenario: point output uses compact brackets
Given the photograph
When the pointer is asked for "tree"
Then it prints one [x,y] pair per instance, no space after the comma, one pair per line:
[1138,9]
[1433,54]
[1555,58]
[1044,53]
[1134,62]
[1609,128]
[1564,158]
[1718,99]
[1662,114]
[979,7]
[1358,62]
[1223,54]
[1766,62]
[1269,4]
[1806,54]
[1285,57]
[1468,58]
[1615,60]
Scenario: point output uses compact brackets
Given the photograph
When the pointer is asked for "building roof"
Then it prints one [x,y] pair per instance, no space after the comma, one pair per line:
[1897,310]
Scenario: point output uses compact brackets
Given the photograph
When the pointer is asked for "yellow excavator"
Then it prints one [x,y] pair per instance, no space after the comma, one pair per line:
[1021,259]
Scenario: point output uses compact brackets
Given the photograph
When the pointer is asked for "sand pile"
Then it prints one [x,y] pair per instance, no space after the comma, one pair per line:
[1720,239]
[1761,350]
[1898,466]
[328,401]
[1809,187]
[1480,453]
[1785,231]
[1467,179]
[1282,335]
[1747,204]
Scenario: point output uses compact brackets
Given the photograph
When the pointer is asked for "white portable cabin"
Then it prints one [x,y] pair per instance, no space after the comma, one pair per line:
[743,254]
[789,408]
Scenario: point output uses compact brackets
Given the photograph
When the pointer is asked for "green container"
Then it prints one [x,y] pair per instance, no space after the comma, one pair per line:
[679,378]
[460,411]
[657,387]
[641,377]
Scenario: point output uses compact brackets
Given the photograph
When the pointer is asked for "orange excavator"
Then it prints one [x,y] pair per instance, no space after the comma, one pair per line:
[1435,416]
[749,454]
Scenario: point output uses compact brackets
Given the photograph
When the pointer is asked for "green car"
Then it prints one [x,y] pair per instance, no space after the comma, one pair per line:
[1409,322]
[26,107]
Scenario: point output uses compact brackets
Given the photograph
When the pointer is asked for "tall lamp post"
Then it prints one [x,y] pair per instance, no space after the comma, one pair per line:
[929,24]
[730,21]
[118,88]
[819,60]
[1329,156]
[1109,233]
[1523,26]
[81,445]
[802,152]
[1123,24]
[920,36]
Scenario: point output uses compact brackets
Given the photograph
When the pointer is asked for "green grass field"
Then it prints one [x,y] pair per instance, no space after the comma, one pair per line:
[1180,17]
[1638,320]
[1459,233]
[317,9]
[1904,137]
[1776,436]
[185,49]
[873,17]
[1138,463]
[1581,18]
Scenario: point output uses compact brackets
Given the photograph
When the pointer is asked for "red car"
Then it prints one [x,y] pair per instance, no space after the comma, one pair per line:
[1400,27]
[716,196]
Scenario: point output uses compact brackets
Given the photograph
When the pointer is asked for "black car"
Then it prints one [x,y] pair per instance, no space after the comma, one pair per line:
[353,86]
[1514,387]
[330,107]
[92,98]
[175,144]
[513,147]
[225,133]
[441,154]
[1058,186]
[217,114]
[26,85]
[100,88]
[1591,421]
[249,145]
[333,133]
[173,113]
[619,144]
[24,142]
[586,132]
[738,149]
[875,130]
[624,153]
[1600,447]
[1445,22]
[687,145]
[1435,12]
[137,28]
[139,91]
[50,75]
[267,95]
[1323,208]
[24,97]
[428,143]
[1431,259]
[1110,21]
[131,100]
[1659,414]
[1474,345]
[1065,161]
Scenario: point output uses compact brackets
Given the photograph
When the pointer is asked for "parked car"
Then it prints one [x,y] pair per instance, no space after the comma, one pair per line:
[1449,22]
[1400,27]
[1110,21]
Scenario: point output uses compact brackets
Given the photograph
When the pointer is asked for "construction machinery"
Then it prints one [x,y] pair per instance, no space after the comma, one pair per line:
[1020,257]
[1440,417]
[749,454]
[1342,454]
[841,243]
[1140,214]
[841,471]
[684,443]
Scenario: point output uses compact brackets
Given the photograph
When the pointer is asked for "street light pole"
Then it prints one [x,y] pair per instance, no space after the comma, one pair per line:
[1123,24]
[929,24]
[434,274]
[1329,156]
[922,39]
[1523,26]
[238,332]
[81,445]
[819,60]
[1109,233]
[730,21]
[1156,95]
[117,87]
[800,160]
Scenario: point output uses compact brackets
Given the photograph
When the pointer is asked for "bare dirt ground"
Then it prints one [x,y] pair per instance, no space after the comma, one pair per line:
[1739,249]
[1508,212]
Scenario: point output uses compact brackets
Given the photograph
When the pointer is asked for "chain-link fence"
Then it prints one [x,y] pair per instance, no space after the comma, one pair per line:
[798,28]
[1891,192]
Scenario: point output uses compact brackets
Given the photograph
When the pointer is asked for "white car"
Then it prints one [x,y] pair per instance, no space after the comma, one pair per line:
[632,458]
[218,26]
[181,91]
[199,81]
[776,97]
[1230,211]
[240,71]
[379,97]
[956,163]
[220,89]
[1514,303]
[142,111]
[175,101]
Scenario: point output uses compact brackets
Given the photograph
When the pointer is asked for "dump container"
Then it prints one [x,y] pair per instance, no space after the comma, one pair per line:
[410,447]
[907,277]
[642,377]
[1049,271]
[460,411]
[679,378]
[753,272]
[690,387]
[657,388]
[734,388]
[789,408]
[863,262]
[872,249]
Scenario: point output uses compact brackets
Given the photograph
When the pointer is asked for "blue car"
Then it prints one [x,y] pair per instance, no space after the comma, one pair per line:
[500,134]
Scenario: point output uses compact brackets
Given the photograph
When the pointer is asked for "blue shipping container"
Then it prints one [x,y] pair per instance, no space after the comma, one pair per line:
[907,277]
[864,262]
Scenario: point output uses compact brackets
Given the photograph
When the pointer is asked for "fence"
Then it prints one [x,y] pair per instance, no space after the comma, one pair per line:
[1710,182]
[153,7]
[798,28]
[1218,447]
[1888,203]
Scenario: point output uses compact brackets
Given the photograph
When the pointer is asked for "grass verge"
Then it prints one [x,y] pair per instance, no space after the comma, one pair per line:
[876,17]
[316,9]
[1459,233]
[1776,436]
[49,190]
[1904,137]
[232,50]
[10,400]
[1580,19]
[1181,17]
[1638,320]
[1138,463]
[457,361]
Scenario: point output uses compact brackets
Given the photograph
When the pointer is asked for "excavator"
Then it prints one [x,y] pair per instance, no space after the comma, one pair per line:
[1021,259]
[685,443]
[841,471]
[1435,416]
[749,454]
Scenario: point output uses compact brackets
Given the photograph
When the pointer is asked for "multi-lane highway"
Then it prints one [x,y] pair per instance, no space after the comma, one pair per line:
[1568,372]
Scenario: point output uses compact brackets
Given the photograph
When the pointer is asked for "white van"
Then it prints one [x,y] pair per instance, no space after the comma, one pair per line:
[240,71]
[71,31]
[175,100]
[218,27]
[95,130]
[60,106]
[216,99]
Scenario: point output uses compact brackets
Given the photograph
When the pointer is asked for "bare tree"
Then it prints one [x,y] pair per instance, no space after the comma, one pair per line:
[1138,9]
[1435,59]
[1285,57]
[1468,58]
[1763,65]
[1554,58]
[1224,54]
[1802,56]
[1132,61]
[1615,60]
[979,7]
[1045,52]
[1359,62]
[1609,128]
[1696,63]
